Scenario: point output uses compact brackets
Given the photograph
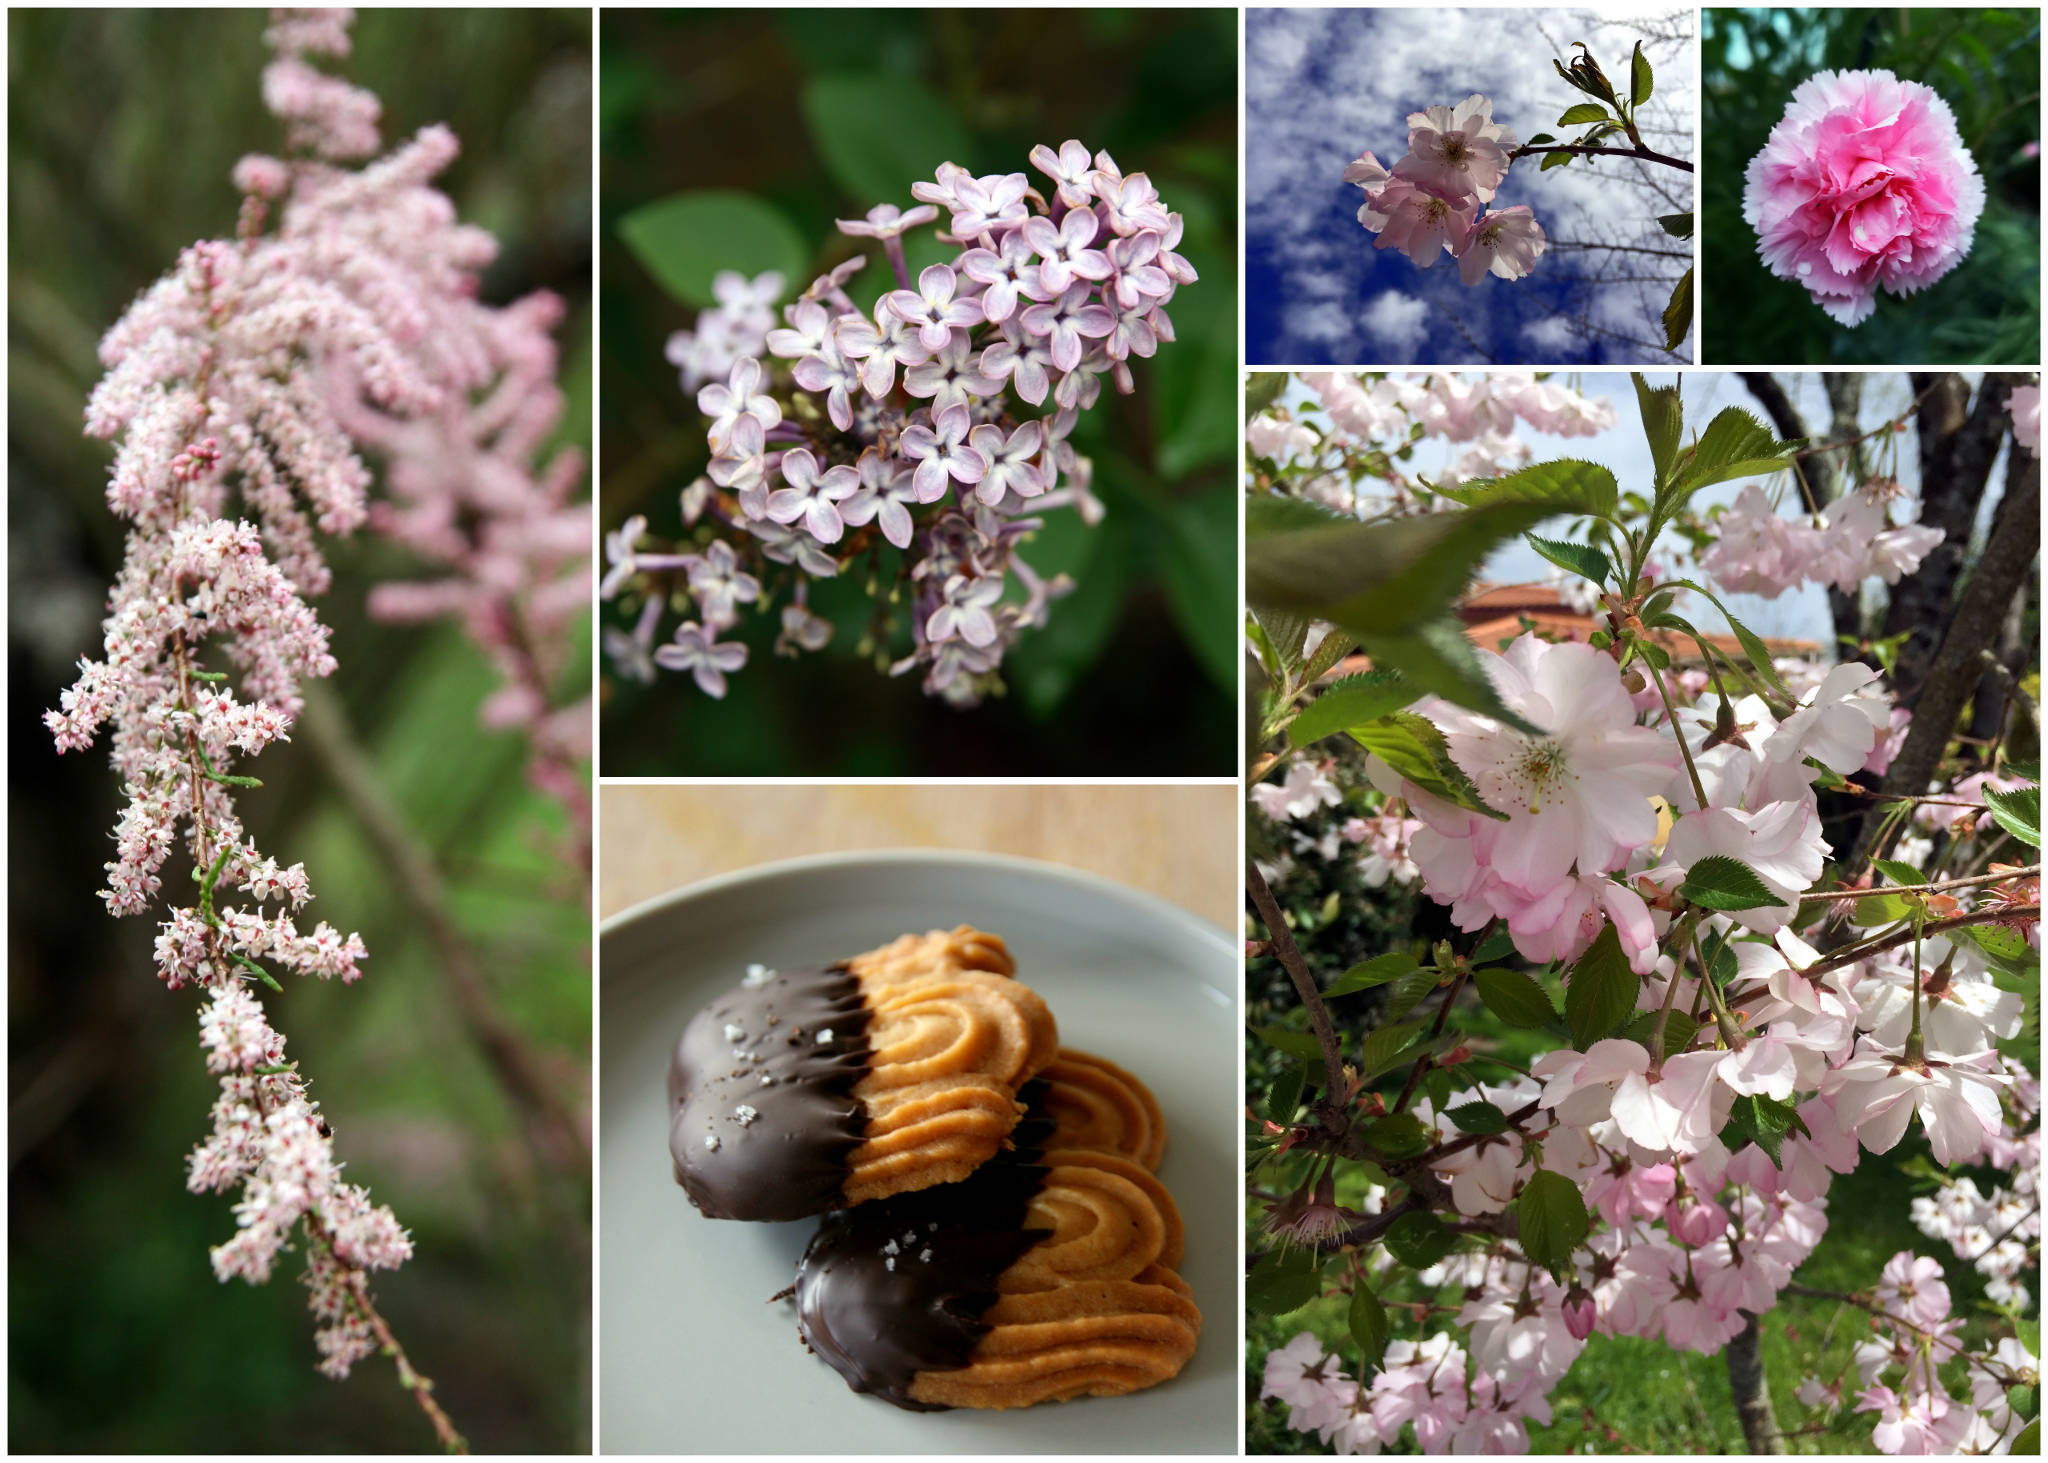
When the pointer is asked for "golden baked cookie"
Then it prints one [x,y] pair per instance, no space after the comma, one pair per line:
[1046,1275]
[1094,1103]
[808,1090]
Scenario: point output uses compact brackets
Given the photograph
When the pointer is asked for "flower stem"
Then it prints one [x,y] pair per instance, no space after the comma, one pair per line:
[1671,720]
[1289,956]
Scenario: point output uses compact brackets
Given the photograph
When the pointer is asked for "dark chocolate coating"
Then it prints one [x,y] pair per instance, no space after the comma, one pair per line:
[873,1306]
[788,1159]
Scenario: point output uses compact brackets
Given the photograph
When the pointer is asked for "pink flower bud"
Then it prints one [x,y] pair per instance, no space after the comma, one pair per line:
[1578,1312]
[1697,1224]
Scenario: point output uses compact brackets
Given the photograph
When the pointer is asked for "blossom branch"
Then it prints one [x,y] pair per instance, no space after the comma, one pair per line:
[1289,956]
[1642,154]
[1822,896]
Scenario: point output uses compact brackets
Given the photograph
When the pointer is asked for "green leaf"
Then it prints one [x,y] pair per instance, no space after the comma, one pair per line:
[1284,1280]
[2007,946]
[1734,445]
[1294,1043]
[1582,112]
[1554,160]
[1405,993]
[1601,990]
[1880,909]
[1663,422]
[1385,1045]
[1368,1321]
[1566,485]
[1478,1117]
[1551,1219]
[686,239]
[1377,971]
[1419,1240]
[1413,747]
[1386,577]
[1398,1135]
[1897,872]
[1351,702]
[1581,559]
[1722,883]
[1677,225]
[2018,812]
[1514,997]
[876,134]
[1763,1121]
[1678,313]
[1333,647]
[1438,658]
[1639,78]
[1753,647]
[1679,1030]
[1285,1097]
[2026,1443]
[1261,390]
[1198,562]
[1496,946]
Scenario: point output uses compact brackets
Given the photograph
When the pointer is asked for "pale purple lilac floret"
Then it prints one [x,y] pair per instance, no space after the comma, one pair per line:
[938,423]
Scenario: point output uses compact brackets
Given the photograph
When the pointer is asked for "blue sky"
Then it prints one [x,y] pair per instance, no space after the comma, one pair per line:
[1323,85]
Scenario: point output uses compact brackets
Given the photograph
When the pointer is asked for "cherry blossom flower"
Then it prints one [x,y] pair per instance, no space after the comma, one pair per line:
[1876,1093]
[1419,223]
[2024,402]
[1507,243]
[1454,151]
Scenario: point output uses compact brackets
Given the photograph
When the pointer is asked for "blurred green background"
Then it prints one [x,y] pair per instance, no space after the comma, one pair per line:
[123,127]
[1986,64]
[822,114]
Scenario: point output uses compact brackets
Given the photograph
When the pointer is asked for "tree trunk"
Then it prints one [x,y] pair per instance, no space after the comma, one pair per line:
[1953,670]
[1752,1393]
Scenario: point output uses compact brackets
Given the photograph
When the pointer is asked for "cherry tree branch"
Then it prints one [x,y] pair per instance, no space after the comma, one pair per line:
[1823,896]
[1289,955]
[1642,154]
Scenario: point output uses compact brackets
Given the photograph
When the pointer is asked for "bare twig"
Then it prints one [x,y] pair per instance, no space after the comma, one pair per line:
[1289,956]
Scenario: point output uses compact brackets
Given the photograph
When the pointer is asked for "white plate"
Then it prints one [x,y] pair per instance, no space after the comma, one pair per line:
[693,1357]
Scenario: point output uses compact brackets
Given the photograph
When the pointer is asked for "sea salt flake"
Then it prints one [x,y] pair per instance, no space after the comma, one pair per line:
[735,1032]
[711,1141]
[890,1263]
[925,1254]
[757,976]
[745,1114]
[825,1036]
[889,1248]
[766,1080]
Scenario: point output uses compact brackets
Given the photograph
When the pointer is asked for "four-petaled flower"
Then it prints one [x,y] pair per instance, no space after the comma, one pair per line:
[884,343]
[812,495]
[1003,272]
[1010,469]
[1071,168]
[720,586]
[886,221]
[989,205]
[932,308]
[942,453]
[951,376]
[965,611]
[1066,250]
[1066,321]
[886,493]
[1020,358]
[698,650]
[738,397]
[619,554]
[830,372]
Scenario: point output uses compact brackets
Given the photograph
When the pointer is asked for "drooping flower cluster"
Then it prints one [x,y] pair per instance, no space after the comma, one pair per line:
[938,424]
[1864,182]
[1436,199]
[1483,413]
[1995,1232]
[1850,540]
[233,386]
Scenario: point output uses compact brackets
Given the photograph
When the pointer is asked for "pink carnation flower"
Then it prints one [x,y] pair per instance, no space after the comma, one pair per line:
[1865,182]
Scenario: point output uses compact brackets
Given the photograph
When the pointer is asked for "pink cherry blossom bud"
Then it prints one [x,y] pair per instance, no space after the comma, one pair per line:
[1579,1312]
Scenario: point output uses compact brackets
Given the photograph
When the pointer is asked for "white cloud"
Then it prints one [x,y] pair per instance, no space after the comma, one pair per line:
[1396,322]
[1552,335]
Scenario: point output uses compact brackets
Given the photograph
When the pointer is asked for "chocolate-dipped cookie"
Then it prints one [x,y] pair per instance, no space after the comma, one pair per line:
[809,1090]
[1045,1275]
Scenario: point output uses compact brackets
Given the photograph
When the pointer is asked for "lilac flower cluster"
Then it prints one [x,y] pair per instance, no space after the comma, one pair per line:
[940,424]
[238,385]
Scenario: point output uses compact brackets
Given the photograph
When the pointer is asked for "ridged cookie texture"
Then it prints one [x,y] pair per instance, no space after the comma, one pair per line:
[1094,1103]
[1049,1274]
[804,1091]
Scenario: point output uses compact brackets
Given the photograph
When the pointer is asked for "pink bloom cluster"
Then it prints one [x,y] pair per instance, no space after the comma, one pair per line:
[1847,542]
[940,423]
[1436,198]
[1996,1232]
[1916,1337]
[1429,1385]
[1865,182]
[240,377]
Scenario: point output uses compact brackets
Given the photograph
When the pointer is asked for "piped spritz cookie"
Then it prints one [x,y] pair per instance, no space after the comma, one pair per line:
[1046,1275]
[807,1090]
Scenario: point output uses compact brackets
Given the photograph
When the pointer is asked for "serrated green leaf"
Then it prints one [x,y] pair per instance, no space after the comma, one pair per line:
[1495,947]
[1721,883]
[1369,973]
[1880,909]
[1351,702]
[2005,945]
[1565,485]
[1413,747]
[1287,631]
[1385,1045]
[1419,1240]
[1663,417]
[1294,1043]
[1478,1117]
[1677,225]
[1404,993]
[1550,1219]
[1438,658]
[1678,313]
[1679,1030]
[2018,812]
[1763,1121]
[1283,1281]
[1285,1097]
[1398,1135]
[1898,873]
[1368,1323]
[1514,997]
[2026,1443]
[1601,990]
[1554,160]
[1582,112]
[1640,78]
[1735,444]
[1581,559]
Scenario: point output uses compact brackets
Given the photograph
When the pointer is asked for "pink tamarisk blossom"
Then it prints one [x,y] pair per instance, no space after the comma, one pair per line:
[1865,182]
[239,391]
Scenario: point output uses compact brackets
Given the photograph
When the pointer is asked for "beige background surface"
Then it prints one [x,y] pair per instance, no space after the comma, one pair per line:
[1179,843]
